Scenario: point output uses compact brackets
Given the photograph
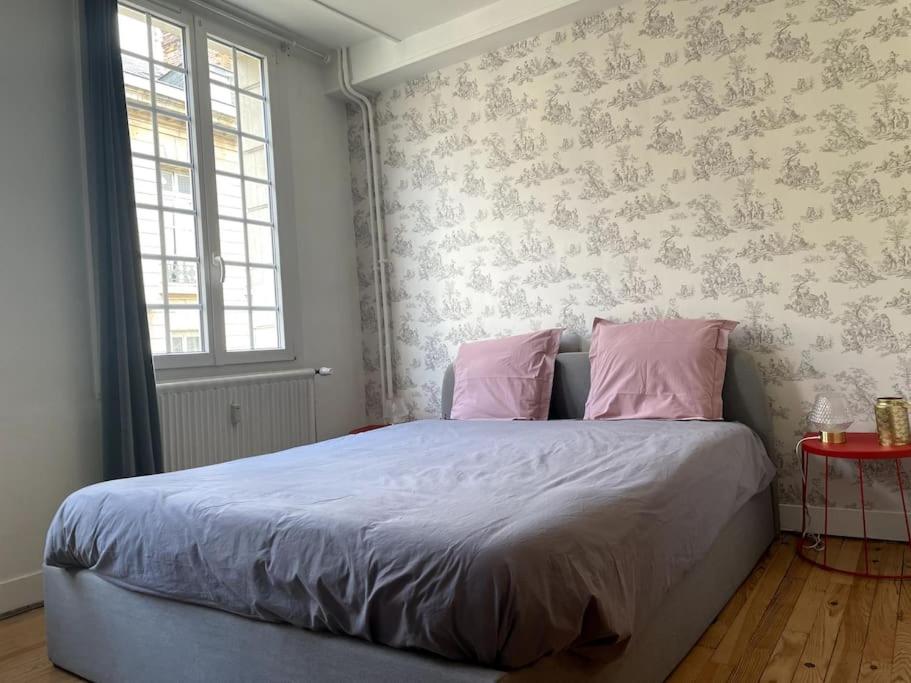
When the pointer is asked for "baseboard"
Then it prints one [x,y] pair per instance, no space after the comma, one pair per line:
[21,610]
[20,592]
[881,524]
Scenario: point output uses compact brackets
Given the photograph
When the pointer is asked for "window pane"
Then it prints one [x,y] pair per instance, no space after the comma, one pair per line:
[137,81]
[163,176]
[141,139]
[183,283]
[224,107]
[133,31]
[173,138]
[265,330]
[249,73]
[231,235]
[170,89]
[176,186]
[262,286]
[221,62]
[156,330]
[167,42]
[179,234]
[235,286]
[229,199]
[149,231]
[244,186]
[152,282]
[237,330]
[252,120]
[259,238]
[259,207]
[186,331]
[226,156]
[256,160]
[144,181]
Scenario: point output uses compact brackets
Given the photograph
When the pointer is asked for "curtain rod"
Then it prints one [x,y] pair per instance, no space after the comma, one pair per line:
[258,25]
[265,30]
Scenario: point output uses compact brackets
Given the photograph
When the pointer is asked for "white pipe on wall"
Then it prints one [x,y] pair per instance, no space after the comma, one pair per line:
[382,261]
[377,227]
[371,224]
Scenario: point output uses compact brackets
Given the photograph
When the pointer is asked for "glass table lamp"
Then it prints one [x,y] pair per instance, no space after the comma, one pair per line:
[830,417]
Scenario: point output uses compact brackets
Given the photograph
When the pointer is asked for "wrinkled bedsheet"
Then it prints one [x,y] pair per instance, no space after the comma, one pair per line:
[495,542]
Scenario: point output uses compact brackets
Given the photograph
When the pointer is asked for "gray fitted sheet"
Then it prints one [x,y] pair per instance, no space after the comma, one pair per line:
[494,542]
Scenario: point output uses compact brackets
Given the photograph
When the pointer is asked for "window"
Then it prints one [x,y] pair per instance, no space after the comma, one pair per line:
[244,189]
[205,193]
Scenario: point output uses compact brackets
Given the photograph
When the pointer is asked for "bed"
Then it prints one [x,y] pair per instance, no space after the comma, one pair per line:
[451,551]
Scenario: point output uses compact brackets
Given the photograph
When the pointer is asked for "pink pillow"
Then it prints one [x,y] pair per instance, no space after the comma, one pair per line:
[505,379]
[670,369]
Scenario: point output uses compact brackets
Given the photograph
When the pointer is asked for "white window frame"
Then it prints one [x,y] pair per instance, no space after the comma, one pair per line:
[197,29]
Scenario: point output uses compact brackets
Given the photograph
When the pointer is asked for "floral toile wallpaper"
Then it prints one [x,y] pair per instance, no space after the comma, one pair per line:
[746,159]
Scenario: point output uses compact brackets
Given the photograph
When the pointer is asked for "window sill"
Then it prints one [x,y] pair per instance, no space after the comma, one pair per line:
[226,359]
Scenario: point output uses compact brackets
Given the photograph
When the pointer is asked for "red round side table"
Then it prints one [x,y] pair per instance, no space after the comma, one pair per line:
[366,428]
[859,447]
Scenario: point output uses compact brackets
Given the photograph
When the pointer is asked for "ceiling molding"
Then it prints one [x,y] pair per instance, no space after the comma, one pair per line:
[256,22]
[377,64]
[358,22]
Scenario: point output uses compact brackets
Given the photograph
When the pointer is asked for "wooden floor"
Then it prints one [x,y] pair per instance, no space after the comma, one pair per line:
[789,621]
[23,656]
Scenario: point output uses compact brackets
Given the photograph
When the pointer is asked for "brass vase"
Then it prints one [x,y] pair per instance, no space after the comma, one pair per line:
[892,421]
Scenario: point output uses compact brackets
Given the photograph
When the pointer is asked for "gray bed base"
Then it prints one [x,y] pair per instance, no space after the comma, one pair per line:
[106,633]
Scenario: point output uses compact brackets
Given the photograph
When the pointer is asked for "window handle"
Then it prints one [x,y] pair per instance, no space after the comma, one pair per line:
[219,263]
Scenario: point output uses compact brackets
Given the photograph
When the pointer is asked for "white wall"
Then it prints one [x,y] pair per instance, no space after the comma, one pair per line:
[48,413]
[49,422]
[328,261]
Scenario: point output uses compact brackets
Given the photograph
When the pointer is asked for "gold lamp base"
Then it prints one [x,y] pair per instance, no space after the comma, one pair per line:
[833,437]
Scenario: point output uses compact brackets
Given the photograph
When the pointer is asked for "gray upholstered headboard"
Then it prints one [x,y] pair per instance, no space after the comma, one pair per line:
[743,395]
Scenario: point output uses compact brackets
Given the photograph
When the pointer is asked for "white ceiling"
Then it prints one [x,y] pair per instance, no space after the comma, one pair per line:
[325,21]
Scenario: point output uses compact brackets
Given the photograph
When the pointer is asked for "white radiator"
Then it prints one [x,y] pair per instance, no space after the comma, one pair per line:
[212,420]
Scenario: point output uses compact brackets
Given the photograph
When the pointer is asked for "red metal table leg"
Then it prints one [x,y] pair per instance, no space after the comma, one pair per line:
[863,514]
[825,526]
[901,492]
[803,498]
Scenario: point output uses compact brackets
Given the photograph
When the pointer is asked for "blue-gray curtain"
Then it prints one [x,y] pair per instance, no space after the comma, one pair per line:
[131,435]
